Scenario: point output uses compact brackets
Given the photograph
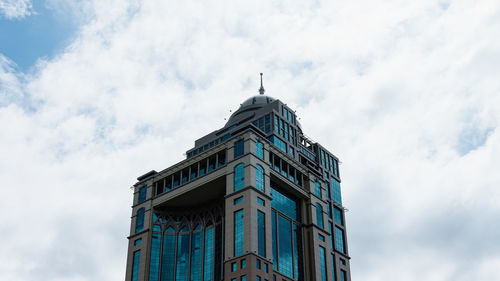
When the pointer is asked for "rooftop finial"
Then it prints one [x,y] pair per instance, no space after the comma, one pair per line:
[261,90]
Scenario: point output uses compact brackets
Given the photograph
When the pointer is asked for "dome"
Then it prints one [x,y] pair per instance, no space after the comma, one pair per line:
[248,107]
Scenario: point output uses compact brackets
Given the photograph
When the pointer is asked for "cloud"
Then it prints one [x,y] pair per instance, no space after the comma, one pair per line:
[16,9]
[405,94]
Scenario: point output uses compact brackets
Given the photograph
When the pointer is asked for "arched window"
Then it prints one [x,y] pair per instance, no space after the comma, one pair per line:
[319,215]
[259,150]
[259,180]
[139,223]
[239,177]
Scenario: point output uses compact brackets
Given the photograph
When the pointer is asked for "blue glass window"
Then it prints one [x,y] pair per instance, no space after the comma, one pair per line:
[328,191]
[295,252]
[182,257]
[285,246]
[342,275]
[168,256]
[238,148]
[238,200]
[208,271]
[278,143]
[142,194]
[139,224]
[317,189]
[138,242]
[239,177]
[275,241]
[336,191]
[234,267]
[333,267]
[257,263]
[243,263]
[196,255]
[259,150]
[261,201]
[276,129]
[339,240]
[238,233]
[154,264]
[321,237]
[284,204]
[322,263]
[261,224]
[337,214]
[258,278]
[331,234]
[319,215]
[329,208]
[135,265]
[259,181]
[243,278]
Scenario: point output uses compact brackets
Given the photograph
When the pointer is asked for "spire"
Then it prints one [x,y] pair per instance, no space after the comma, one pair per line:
[261,90]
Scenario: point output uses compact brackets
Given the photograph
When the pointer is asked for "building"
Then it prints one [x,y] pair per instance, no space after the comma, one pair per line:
[255,200]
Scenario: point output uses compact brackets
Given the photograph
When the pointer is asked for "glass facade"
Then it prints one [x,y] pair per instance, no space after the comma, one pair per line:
[185,254]
[259,181]
[317,189]
[239,148]
[284,228]
[259,150]
[261,235]
[135,265]
[322,263]
[336,191]
[238,233]
[339,240]
[337,215]
[319,215]
[139,224]
[239,177]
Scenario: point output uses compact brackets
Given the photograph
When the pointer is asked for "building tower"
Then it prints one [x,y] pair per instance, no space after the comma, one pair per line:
[254,200]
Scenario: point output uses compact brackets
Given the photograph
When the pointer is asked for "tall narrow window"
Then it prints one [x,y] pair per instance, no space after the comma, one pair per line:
[337,214]
[154,264]
[331,234]
[339,240]
[142,194]
[196,257]
[336,191]
[333,268]
[319,215]
[182,256]
[259,150]
[259,181]
[238,149]
[135,265]
[317,189]
[322,263]
[238,233]
[239,177]
[342,275]
[261,224]
[208,271]
[139,223]
[168,255]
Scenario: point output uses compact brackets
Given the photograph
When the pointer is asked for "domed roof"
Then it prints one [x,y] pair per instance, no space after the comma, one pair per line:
[257,100]
[248,107]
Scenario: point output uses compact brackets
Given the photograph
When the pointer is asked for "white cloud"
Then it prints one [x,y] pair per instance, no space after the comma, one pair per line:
[405,94]
[16,9]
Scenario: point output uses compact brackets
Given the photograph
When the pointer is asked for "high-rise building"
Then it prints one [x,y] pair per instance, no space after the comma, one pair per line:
[254,200]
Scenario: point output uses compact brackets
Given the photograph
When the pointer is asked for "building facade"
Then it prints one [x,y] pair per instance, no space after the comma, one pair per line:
[255,200]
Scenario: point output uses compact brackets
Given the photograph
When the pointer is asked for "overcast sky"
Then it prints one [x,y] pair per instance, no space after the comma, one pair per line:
[405,93]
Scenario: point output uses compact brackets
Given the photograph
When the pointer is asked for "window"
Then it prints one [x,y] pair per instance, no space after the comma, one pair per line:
[337,198]
[317,189]
[208,271]
[319,215]
[196,255]
[138,242]
[266,268]
[259,181]
[238,148]
[142,194]
[337,215]
[333,268]
[139,223]
[259,150]
[238,233]
[257,263]
[238,200]
[322,263]
[239,177]
[154,262]
[321,237]
[135,265]
[261,235]
[339,240]
[234,267]
[221,158]
[194,171]
[182,266]
[261,201]
[278,143]
[258,278]
[243,278]
[328,191]
[342,275]
[342,261]
[331,234]
[243,263]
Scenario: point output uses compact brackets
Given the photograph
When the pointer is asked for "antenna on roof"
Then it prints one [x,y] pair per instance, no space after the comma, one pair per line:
[261,90]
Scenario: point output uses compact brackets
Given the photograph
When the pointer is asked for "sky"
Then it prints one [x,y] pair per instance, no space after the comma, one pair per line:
[94,94]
